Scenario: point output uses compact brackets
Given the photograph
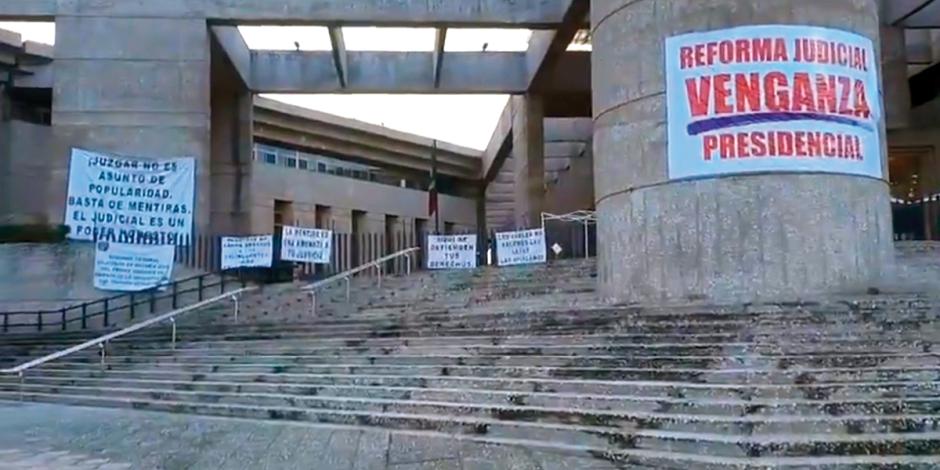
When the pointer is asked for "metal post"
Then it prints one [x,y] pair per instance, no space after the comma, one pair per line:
[313,303]
[84,316]
[63,318]
[133,305]
[106,312]
[153,300]
[103,349]
[235,299]
[201,283]
[379,269]
[6,322]
[347,287]
[173,322]
[22,376]
[175,290]
[585,239]
[39,320]
[408,264]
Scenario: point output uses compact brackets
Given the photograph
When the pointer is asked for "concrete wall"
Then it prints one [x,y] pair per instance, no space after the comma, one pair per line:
[33,174]
[574,189]
[305,190]
[51,276]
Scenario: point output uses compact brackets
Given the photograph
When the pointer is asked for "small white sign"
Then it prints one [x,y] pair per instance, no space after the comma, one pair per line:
[452,251]
[522,247]
[557,249]
[132,268]
[306,245]
[247,252]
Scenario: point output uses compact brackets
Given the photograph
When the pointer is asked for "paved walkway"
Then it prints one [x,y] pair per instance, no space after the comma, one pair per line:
[39,436]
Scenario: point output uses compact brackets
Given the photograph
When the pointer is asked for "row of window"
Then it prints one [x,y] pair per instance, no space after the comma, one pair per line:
[305,161]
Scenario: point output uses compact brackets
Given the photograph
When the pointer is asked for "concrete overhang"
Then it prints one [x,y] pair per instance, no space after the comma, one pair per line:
[911,13]
[388,72]
[318,132]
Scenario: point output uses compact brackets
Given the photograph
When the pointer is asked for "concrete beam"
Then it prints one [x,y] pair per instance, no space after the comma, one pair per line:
[388,72]
[546,47]
[28,10]
[499,147]
[340,58]
[447,13]
[237,51]
[895,12]
[440,38]
[926,15]
[556,150]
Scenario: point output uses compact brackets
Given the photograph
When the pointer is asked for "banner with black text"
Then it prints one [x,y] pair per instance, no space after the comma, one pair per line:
[522,247]
[132,268]
[306,245]
[130,200]
[247,252]
[452,251]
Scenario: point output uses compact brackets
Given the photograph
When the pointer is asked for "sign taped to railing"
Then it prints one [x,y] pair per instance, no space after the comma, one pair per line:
[132,268]
[521,247]
[452,251]
[773,98]
[247,252]
[306,245]
[130,200]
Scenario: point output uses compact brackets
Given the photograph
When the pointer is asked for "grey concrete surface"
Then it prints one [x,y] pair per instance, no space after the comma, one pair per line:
[528,156]
[727,238]
[51,437]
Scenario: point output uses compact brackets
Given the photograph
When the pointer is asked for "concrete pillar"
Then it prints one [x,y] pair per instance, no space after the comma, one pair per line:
[896,87]
[722,238]
[136,86]
[231,158]
[528,151]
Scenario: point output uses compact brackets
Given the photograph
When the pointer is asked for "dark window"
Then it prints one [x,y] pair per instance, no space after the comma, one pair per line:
[302,164]
[290,162]
[269,157]
[321,167]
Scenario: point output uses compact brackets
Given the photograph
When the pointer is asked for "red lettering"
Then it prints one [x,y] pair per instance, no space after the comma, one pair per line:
[726,52]
[862,109]
[826,94]
[780,51]
[845,83]
[699,92]
[759,141]
[747,92]
[785,144]
[813,144]
[686,59]
[829,145]
[743,151]
[802,93]
[775,93]
[722,94]
[726,143]
[800,138]
[762,49]
[709,144]
[742,50]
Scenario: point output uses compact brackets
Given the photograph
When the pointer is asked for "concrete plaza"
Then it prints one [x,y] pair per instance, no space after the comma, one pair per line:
[40,436]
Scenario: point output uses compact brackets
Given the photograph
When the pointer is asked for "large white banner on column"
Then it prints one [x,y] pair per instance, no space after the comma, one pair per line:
[247,252]
[522,247]
[132,268]
[306,245]
[130,200]
[452,251]
[773,99]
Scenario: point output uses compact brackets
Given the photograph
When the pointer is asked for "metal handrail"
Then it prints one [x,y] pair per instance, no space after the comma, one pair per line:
[102,341]
[346,275]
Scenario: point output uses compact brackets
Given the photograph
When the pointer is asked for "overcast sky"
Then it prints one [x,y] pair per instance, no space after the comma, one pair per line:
[466,120]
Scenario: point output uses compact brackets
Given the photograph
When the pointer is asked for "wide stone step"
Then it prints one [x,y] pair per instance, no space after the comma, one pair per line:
[300,373]
[711,403]
[911,435]
[681,361]
[513,386]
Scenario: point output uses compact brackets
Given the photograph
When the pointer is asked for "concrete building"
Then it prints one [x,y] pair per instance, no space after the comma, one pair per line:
[584,129]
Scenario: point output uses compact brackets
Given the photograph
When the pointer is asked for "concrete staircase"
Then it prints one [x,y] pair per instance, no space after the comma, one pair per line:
[527,357]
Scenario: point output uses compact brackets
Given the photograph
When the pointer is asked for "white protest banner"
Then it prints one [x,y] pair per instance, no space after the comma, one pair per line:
[452,251]
[247,252]
[132,268]
[522,247]
[306,245]
[130,200]
[773,98]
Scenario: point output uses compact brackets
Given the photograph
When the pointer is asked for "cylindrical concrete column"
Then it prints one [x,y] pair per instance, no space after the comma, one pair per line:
[730,237]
